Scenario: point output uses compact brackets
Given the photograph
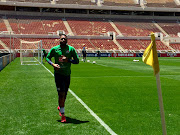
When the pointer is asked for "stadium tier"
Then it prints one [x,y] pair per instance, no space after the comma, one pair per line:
[119,3]
[103,44]
[124,3]
[170,27]
[53,25]
[80,43]
[85,26]
[2,25]
[175,46]
[6,42]
[91,44]
[141,44]
[89,32]
[89,26]
[131,27]
[161,3]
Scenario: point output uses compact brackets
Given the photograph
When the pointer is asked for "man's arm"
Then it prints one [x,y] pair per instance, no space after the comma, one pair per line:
[75,59]
[48,59]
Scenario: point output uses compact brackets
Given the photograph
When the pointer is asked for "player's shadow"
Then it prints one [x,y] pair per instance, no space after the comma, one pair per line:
[74,121]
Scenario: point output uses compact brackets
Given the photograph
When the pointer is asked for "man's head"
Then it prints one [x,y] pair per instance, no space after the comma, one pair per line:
[63,39]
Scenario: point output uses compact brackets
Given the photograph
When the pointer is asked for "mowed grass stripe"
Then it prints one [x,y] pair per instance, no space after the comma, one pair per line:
[129,105]
[28,102]
[88,109]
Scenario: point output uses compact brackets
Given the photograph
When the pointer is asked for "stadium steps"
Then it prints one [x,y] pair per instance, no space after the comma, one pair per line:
[4,45]
[166,44]
[68,27]
[120,47]
[92,43]
[116,29]
[8,26]
[157,25]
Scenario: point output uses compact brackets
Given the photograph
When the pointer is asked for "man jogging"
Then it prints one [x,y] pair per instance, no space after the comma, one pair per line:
[63,55]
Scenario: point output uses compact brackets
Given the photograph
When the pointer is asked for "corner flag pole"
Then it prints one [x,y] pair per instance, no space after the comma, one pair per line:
[161,103]
[150,58]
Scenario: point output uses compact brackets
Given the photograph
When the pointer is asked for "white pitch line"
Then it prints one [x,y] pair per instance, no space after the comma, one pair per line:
[89,110]
[119,76]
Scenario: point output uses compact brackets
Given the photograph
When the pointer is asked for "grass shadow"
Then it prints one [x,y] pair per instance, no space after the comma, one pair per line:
[73,121]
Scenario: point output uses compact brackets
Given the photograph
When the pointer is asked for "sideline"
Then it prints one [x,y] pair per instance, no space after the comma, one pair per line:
[89,110]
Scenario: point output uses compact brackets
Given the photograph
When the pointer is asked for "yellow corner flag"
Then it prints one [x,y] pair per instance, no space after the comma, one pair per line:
[150,55]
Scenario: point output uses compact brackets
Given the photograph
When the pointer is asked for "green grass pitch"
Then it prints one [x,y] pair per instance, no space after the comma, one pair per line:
[121,92]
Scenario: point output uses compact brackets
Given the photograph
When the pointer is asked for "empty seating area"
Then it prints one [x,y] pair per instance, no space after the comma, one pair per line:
[161,3]
[15,45]
[37,1]
[89,26]
[30,26]
[170,27]
[91,44]
[35,25]
[2,25]
[119,3]
[131,44]
[80,43]
[125,3]
[175,46]
[136,27]
[159,44]
[104,44]
[53,25]
[82,2]
[141,44]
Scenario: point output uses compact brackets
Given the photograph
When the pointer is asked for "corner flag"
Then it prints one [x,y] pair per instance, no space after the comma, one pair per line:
[150,58]
[150,55]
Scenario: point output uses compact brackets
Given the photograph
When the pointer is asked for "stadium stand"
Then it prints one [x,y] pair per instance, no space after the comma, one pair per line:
[79,43]
[2,25]
[52,24]
[171,27]
[81,2]
[37,1]
[36,25]
[89,26]
[15,45]
[103,44]
[135,27]
[161,3]
[140,44]
[120,3]
[159,44]
[30,26]
[93,31]
[175,46]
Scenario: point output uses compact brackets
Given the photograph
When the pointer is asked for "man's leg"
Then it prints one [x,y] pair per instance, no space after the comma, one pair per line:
[62,93]
[61,100]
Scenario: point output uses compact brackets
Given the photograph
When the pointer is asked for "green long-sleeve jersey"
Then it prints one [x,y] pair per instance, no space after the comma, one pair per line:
[57,52]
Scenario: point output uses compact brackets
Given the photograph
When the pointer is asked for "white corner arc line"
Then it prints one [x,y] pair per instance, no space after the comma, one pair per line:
[89,110]
[93,114]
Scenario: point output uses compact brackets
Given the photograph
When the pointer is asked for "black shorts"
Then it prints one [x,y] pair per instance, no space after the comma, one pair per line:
[62,82]
[84,55]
